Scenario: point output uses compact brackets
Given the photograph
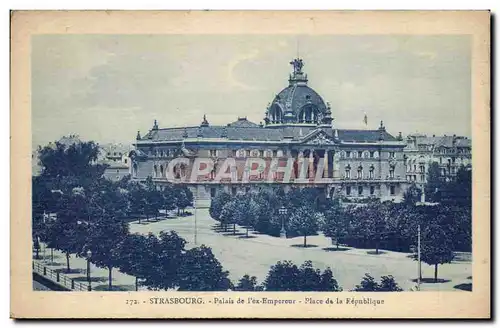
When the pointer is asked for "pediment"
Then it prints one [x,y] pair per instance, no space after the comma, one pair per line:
[318,138]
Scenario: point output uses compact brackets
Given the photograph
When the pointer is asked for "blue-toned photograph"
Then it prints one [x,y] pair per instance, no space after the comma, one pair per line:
[251,163]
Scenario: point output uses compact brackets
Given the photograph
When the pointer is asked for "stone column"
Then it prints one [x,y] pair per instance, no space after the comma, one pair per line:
[311,164]
[336,164]
[325,156]
[300,162]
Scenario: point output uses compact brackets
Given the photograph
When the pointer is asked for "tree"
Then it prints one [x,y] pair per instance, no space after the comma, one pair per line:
[436,246]
[201,271]
[217,204]
[164,270]
[368,284]
[328,283]
[154,199]
[304,221]
[283,276]
[247,284]
[69,231]
[388,284]
[434,184]
[183,197]
[68,166]
[168,198]
[137,199]
[412,195]
[336,224]
[228,214]
[286,276]
[267,219]
[136,255]
[105,236]
[246,212]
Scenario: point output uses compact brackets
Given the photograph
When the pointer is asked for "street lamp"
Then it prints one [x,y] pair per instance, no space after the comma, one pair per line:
[283,211]
[37,247]
[89,255]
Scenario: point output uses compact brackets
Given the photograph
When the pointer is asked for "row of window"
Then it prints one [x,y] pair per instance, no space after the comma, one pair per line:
[115,154]
[348,191]
[370,172]
[363,154]
[241,153]
[410,168]
[413,177]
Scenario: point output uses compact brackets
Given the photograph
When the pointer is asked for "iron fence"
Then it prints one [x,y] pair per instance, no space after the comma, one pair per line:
[59,278]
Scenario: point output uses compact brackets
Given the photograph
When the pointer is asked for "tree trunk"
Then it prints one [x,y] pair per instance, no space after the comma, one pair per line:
[436,272]
[136,284]
[234,228]
[147,217]
[139,220]
[247,232]
[52,255]
[305,240]
[337,244]
[110,277]
[67,262]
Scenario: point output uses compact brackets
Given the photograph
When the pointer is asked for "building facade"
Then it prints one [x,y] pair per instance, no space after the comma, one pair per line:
[297,128]
[450,152]
[116,157]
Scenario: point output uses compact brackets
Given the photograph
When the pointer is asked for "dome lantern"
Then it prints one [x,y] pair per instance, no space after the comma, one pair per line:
[298,103]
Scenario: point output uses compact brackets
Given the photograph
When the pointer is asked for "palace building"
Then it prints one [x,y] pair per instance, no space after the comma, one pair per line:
[297,128]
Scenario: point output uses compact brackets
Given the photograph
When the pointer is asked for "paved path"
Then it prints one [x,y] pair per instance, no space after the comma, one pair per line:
[255,256]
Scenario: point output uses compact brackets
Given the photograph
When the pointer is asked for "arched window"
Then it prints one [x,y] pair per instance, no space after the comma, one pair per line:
[342,154]
[375,154]
[276,114]
[161,171]
[372,169]
[308,114]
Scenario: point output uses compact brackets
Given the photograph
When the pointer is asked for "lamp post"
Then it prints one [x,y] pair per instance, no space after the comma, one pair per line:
[419,259]
[283,211]
[37,248]
[89,255]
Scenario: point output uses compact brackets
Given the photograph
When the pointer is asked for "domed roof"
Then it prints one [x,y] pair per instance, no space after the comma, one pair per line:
[294,97]
[298,103]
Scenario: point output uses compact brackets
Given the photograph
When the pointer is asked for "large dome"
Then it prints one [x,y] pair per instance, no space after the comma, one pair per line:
[298,103]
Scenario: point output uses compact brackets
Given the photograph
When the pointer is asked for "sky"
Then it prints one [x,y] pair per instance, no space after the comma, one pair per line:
[107,87]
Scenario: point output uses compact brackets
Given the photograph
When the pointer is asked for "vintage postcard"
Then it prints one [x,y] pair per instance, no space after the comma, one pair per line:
[265,164]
